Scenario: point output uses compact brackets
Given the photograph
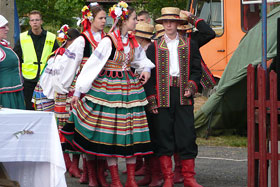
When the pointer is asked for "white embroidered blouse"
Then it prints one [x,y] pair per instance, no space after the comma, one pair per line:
[99,58]
[69,64]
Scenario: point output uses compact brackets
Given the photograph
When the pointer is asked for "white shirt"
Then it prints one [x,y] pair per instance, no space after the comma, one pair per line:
[172,46]
[70,62]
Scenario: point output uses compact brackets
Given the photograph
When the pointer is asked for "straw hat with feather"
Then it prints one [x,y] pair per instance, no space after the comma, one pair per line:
[170,13]
[144,30]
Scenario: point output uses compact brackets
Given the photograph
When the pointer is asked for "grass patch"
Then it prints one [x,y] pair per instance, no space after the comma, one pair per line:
[229,141]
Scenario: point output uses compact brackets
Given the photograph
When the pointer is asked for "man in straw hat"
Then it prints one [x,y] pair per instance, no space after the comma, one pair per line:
[170,92]
[152,175]
[143,34]
[202,36]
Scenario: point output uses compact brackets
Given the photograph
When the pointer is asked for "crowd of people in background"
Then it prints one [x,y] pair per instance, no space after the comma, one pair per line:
[128,93]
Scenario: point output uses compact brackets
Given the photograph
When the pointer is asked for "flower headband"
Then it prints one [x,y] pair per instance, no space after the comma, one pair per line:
[87,16]
[86,13]
[119,11]
[62,33]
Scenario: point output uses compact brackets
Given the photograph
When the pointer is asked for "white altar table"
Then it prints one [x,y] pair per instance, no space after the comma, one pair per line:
[30,148]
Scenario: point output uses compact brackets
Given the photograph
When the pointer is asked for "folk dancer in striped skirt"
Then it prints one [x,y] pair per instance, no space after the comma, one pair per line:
[94,19]
[110,119]
[43,95]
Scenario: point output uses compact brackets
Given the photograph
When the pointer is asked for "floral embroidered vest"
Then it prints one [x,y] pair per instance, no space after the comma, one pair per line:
[162,71]
[119,61]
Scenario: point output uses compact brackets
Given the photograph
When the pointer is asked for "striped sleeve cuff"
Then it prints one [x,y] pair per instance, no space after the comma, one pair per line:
[152,102]
[192,87]
[193,20]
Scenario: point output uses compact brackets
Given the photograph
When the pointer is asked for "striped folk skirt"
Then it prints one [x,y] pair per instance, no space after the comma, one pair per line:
[61,113]
[110,119]
[41,102]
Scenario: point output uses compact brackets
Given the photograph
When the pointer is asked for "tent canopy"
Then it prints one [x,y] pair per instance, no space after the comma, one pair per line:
[225,111]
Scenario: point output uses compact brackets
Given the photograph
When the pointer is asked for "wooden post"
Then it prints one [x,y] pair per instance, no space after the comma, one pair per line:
[251,124]
[7,10]
[274,129]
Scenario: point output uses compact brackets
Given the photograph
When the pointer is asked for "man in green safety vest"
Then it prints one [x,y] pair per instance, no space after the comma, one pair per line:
[33,49]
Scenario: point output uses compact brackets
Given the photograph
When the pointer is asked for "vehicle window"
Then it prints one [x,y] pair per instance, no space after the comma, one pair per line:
[251,12]
[212,12]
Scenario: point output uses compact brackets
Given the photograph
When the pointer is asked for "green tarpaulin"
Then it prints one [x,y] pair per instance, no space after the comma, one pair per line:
[225,110]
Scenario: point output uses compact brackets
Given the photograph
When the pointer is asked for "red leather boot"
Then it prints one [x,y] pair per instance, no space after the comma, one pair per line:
[140,166]
[147,177]
[101,165]
[188,173]
[115,176]
[178,177]
[84,177]
[74,170]
[166,168]
[130,181]
[92,181]
[157,178]
[67,160]
[139,163]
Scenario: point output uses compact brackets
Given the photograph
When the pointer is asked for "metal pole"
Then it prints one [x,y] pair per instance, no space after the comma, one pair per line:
[264,34]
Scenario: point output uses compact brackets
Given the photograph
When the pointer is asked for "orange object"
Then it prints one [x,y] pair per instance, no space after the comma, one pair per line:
[230,19]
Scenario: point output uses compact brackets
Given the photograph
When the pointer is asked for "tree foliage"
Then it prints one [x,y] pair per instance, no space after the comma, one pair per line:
[154,6]
[54,12]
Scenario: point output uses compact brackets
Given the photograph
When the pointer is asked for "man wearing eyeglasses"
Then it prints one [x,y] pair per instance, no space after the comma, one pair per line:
[33,48]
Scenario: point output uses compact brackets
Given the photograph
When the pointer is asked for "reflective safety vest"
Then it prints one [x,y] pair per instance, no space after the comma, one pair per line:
[30,61]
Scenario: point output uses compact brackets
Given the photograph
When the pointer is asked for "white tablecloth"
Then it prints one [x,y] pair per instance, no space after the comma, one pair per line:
[30,148]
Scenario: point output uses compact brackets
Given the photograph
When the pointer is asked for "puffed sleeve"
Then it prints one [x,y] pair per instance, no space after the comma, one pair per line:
[141,62]
[93,66]
[67,67]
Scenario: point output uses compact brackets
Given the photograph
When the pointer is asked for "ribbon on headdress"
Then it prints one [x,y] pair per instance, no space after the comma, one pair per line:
[131,38]
[60,51]
[86,25]
[119,40]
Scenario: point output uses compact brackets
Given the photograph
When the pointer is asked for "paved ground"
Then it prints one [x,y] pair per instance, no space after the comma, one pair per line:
[215,167]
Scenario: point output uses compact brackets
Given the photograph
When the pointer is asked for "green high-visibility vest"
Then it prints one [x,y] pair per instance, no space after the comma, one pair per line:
[30,61]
